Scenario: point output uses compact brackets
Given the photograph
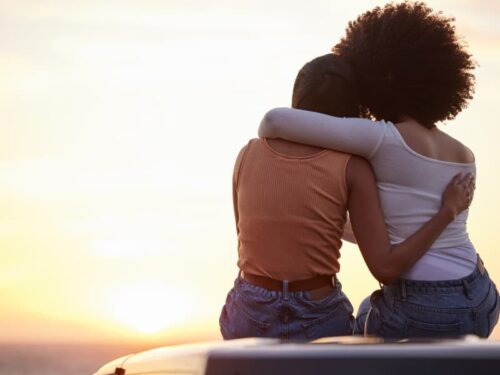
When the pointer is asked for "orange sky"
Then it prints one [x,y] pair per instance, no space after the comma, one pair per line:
[121,121]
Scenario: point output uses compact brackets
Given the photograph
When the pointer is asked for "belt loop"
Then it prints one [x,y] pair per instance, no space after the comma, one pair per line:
[285,290]
[402,287]
[466,286]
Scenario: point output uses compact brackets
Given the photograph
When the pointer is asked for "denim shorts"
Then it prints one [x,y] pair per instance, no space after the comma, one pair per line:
[432,309]
[252,311]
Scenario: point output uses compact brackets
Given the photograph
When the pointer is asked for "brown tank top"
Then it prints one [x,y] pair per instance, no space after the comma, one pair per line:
[290,212]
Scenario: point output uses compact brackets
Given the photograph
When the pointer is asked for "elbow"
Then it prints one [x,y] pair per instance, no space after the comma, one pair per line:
[386,276]
[269,123]
[387,280]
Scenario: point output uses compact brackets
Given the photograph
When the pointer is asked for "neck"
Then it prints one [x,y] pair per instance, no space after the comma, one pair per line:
[405,119]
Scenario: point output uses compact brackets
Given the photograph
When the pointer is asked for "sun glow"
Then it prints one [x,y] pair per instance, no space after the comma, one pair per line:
[121,122]
[151,308]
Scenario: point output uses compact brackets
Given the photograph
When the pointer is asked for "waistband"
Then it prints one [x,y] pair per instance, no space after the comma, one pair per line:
[405,286]
[291,286]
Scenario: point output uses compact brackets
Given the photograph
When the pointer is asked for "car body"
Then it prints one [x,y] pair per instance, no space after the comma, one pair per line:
[351,356]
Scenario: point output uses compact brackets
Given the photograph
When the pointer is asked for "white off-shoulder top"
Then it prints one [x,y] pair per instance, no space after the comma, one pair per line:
[410,184]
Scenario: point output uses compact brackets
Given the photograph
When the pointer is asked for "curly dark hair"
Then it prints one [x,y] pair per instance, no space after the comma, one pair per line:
[327,85]
[409,61]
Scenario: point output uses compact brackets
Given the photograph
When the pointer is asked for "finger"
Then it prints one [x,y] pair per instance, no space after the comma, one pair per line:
[470,196]
[457,179]
[469,178]
[469,201]
[466,182]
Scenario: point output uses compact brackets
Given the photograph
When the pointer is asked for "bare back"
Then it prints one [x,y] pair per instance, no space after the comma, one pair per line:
[433,143]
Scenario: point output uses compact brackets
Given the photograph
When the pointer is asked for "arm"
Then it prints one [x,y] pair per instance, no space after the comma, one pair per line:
[348,234]
[386,262]
[352,135]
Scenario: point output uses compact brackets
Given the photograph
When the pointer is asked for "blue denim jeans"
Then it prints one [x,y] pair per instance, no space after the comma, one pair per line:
[432,309]
[252,311]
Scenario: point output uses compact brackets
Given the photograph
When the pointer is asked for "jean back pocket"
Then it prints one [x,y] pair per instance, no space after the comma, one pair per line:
[416,329]
[339,321]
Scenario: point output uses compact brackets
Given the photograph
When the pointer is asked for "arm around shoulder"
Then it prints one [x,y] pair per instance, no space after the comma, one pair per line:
[352,135]
[270,122]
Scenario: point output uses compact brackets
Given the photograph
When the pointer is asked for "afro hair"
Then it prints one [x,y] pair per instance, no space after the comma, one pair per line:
[408,61]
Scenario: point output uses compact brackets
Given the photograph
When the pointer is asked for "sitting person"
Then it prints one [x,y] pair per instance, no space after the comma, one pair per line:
[290,204]
[411,78]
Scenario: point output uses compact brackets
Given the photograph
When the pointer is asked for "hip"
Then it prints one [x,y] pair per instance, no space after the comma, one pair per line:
[442,308]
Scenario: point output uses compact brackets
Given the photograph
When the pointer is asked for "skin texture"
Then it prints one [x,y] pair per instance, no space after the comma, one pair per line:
[433,143]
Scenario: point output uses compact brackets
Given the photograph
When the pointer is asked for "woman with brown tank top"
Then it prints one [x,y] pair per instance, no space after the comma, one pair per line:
[412,72]
[290,203]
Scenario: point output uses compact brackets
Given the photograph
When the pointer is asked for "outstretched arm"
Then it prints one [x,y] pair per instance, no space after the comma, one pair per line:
[352,135]
[387,263]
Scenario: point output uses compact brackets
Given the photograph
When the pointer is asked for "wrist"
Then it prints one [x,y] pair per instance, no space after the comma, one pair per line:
[447,214]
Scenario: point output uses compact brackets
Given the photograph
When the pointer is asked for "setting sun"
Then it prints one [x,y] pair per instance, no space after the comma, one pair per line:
[150,308]
[122,120]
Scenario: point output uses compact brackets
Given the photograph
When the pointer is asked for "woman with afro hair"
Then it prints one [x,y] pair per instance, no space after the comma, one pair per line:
[411,72]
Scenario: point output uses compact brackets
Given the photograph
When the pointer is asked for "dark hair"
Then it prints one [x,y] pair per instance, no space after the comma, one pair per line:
[409,61]
[326,84]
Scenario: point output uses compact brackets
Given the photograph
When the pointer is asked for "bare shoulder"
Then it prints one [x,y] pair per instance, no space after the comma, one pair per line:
[434,143]
[459,152]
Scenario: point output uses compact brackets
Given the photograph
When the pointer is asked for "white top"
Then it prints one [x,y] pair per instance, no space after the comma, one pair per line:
[410,184]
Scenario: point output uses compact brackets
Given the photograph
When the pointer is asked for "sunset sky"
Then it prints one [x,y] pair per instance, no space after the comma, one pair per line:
[121,120]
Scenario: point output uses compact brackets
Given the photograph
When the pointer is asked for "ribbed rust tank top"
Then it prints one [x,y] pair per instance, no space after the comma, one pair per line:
[291,212]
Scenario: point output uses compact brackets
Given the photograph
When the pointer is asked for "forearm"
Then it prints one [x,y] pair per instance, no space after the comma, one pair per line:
[387,263]
[351,135]
[456,198]
[401,257]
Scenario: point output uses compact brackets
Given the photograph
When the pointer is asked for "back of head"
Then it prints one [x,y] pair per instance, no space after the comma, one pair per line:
[326,85]
[408,61]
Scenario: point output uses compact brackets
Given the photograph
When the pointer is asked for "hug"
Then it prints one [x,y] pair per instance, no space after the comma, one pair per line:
[360,148]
